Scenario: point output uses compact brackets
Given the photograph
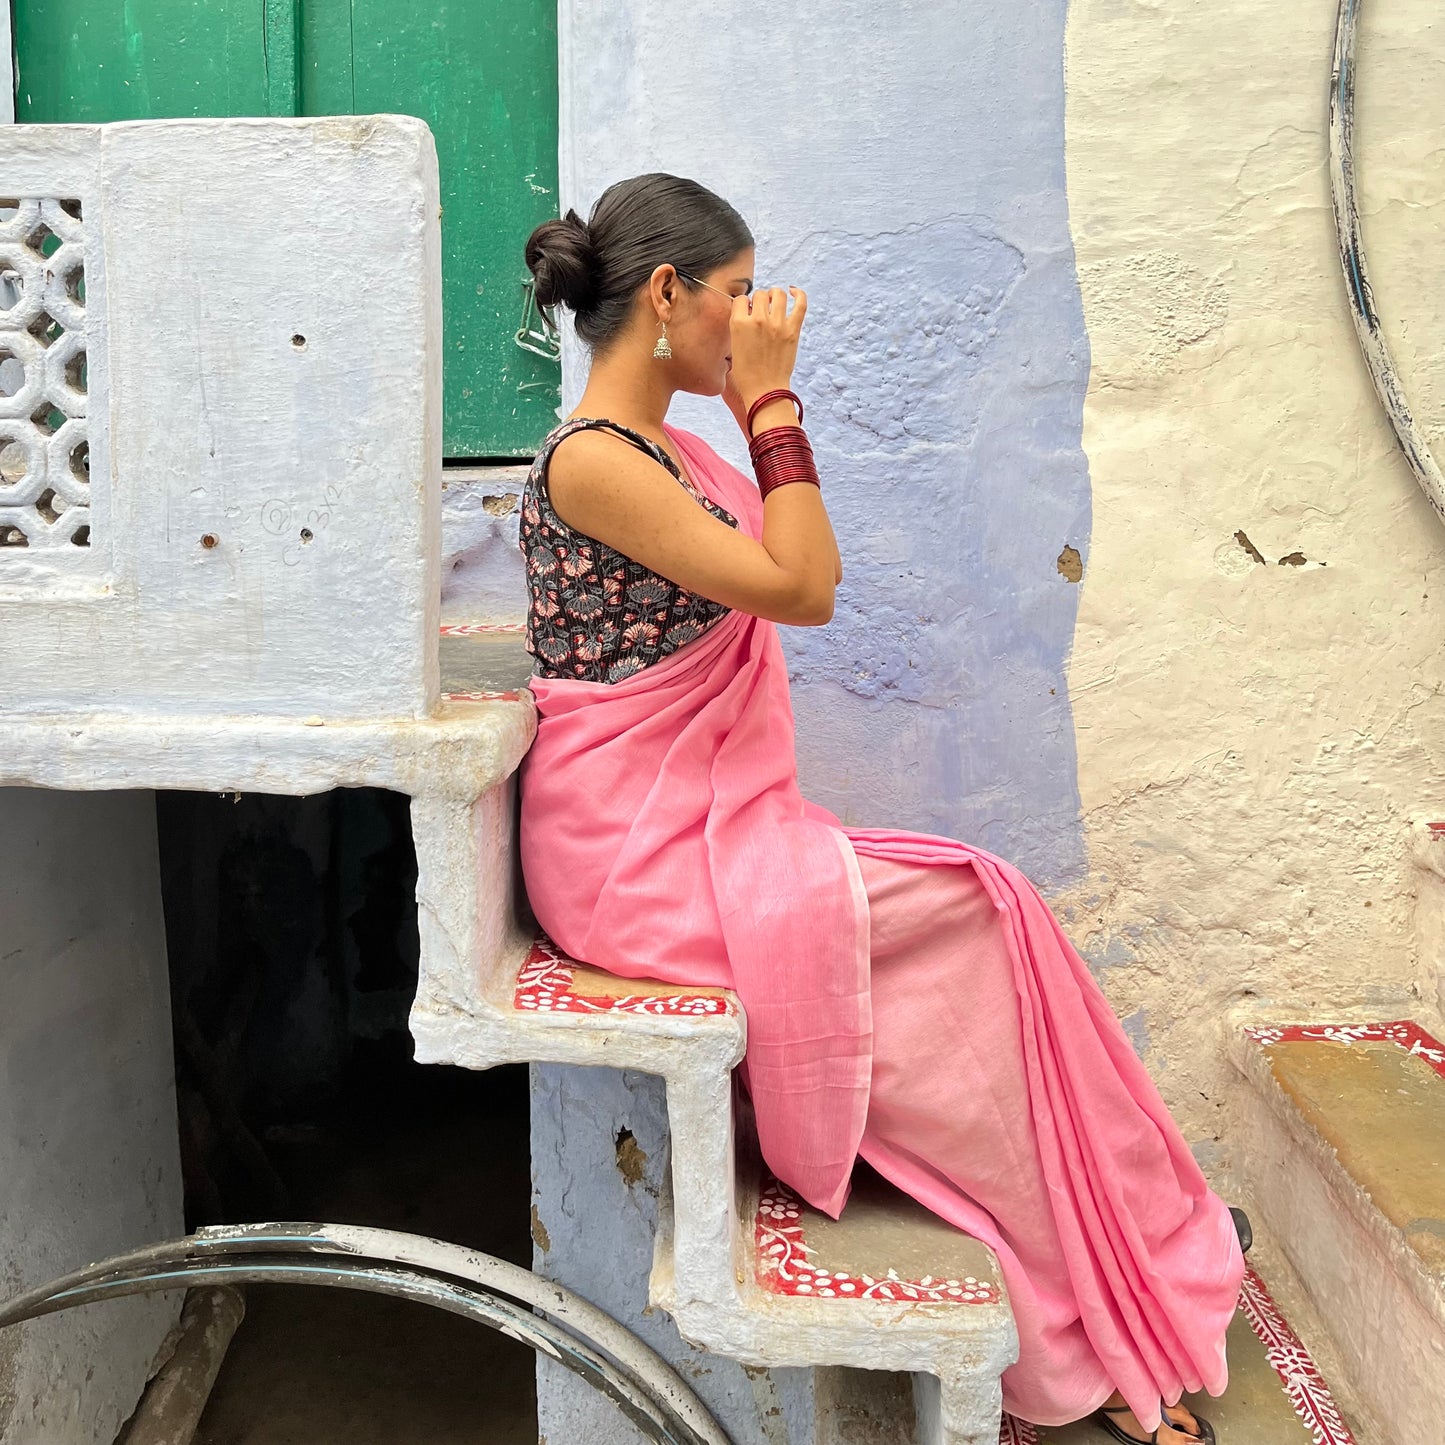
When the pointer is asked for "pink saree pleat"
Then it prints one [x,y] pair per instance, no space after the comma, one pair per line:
[663,835]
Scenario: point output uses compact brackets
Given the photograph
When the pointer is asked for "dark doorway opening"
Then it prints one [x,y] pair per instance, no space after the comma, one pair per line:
[291,932]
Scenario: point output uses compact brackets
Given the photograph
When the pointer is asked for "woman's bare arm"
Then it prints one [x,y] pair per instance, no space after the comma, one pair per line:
[605,488]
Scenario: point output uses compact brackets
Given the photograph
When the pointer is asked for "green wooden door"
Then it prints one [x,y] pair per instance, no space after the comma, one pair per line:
[481,73]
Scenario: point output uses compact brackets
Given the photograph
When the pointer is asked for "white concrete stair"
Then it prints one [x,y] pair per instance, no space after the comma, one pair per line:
[1346,1172]
[888,1286]
[942,1314]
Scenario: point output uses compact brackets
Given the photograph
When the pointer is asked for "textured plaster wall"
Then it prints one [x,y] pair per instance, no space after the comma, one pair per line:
[87,1101]
[1257,669]
[483,576]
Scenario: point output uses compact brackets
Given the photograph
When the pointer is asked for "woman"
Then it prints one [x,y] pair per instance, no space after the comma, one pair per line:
[910,999]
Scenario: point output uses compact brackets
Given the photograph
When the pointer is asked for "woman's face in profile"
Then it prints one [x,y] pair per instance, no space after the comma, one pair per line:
[702,337]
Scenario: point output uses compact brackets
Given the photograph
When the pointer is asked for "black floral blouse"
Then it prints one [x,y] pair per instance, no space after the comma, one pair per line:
[592,612]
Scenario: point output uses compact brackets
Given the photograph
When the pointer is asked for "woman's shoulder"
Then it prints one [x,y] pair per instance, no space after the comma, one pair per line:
[609,433]
[565,428]
[594,429]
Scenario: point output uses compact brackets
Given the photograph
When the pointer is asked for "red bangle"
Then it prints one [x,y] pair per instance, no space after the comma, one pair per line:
[782,454]
[768,396]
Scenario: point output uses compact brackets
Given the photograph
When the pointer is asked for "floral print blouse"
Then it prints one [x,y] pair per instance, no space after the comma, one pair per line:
[592,612]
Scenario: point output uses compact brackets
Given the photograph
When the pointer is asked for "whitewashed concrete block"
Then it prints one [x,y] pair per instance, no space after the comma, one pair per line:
[262,324]
[1379,1300]
[88,1153]
[695,1207]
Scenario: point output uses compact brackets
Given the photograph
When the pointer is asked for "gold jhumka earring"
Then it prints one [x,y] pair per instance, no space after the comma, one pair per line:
[662,349]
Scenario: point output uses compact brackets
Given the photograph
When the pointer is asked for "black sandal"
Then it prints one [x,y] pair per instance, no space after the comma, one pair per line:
[1101,1417]
[1242,1228]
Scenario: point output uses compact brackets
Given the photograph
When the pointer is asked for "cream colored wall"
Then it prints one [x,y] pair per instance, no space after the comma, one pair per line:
[1252,738]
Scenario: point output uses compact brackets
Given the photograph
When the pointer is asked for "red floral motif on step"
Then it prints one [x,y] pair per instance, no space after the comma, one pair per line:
[515,696]
[1299,1374]
[471,629]
[1297,1371]
[545,986]
[1017,1432]
[1404,1033]
[783,1268]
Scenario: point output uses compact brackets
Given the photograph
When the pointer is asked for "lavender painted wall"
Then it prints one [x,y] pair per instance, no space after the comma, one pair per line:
[906,168]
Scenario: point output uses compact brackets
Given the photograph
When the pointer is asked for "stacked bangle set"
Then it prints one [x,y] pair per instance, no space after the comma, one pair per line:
[780,454]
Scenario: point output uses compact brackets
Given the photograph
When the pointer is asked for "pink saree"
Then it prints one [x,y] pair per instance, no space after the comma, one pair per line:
[909,998]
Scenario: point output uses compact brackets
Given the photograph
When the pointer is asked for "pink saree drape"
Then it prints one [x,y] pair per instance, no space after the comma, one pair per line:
[909,998]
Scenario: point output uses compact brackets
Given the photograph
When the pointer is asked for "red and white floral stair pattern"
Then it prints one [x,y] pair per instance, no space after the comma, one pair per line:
[1298,1374]
[783,1265]
[1315,1416]
[478,656]
[1404,1034]
[787,1263]
[549,983]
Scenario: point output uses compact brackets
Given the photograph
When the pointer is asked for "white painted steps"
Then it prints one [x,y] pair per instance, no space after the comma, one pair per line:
[708,1272]
[1346,1171]
[888,1286]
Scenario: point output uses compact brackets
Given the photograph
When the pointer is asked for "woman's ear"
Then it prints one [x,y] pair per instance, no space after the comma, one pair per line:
[662,288]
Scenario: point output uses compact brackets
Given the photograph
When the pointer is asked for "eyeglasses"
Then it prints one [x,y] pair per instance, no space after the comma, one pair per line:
[686,276]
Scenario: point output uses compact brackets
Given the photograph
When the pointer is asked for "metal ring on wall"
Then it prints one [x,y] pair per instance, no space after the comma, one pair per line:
[1352,257]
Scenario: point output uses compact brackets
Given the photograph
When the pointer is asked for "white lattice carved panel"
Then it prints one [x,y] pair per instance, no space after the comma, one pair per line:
[44,443]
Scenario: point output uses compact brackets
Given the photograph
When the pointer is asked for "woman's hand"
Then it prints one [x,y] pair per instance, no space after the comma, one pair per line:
[765,348]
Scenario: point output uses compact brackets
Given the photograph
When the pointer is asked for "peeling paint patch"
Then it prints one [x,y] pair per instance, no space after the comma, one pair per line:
[1250,547]
[1070,565]
[540,1237]
[631,1161]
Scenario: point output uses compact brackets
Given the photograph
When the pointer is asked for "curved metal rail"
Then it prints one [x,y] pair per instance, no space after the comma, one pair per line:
[1386,378]
[578,1335]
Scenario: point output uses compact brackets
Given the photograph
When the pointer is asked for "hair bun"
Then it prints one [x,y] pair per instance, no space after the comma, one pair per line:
[563,258]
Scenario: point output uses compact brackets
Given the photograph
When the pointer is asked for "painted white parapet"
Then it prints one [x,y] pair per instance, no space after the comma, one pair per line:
[220,417]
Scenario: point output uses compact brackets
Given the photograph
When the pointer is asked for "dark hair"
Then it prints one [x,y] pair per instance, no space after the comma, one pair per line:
[595,267]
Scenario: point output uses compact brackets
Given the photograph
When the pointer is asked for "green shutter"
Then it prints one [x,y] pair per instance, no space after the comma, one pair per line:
[482,74]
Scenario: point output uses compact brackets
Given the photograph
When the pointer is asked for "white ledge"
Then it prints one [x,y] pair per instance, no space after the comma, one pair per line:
[460,751]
